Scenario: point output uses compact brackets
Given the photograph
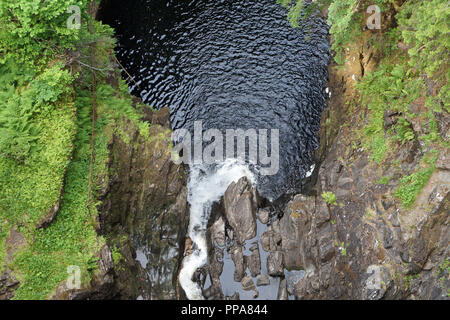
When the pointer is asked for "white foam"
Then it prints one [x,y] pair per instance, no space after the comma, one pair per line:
[311,170]
[205,186]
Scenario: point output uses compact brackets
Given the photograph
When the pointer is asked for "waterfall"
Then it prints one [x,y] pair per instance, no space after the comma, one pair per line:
[206,185]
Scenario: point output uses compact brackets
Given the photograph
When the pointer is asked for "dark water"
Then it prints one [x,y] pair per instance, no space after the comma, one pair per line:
[232,64]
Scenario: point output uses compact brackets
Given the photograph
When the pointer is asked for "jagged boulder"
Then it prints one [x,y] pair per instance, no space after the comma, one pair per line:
[240,202]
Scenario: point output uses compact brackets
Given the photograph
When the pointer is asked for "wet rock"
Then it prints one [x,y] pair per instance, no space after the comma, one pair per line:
[240,208]
[218,232]
[216,265]
[282,291]
[292,278]
[235,296]
[262,280]
[275,264]
[294,229]
[254,260]
[146,197]
[212,293]
[247,284]
[270,241]
[239,265]
[264,215]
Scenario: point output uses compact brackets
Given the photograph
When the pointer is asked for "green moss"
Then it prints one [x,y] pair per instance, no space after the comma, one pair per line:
[329,197]
[383,180]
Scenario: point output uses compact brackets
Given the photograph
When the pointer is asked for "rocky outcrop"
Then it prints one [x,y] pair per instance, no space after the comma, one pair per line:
[8,284]
[144,210]
[367,245]
[233,232]
[101,287]
[240,201]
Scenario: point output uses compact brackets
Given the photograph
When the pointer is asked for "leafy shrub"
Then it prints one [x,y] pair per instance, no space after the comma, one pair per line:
[404,130]
[345,24]
[410,186]
[425,28]
[22,99]
[29,26]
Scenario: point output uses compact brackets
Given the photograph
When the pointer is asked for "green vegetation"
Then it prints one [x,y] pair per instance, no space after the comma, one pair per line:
[34,32]
[413,52]
[411,185]
[49,156]
[342,248]
[444,266]
[383,180]
[46,81]
[409,278]
[425,28]
[390,87]
[329,197]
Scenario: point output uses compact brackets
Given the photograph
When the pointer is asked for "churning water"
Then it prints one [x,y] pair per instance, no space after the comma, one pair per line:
[230,64]
[206,185]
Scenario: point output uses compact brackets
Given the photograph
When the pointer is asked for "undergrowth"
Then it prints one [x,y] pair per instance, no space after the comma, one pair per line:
[45,134]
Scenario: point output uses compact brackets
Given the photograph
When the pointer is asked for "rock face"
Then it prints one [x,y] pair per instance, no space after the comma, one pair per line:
[143,214]
[240,203]
[233,225]
[146,201]
[8,284]
[253,261]
[101,287]
[367,245]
